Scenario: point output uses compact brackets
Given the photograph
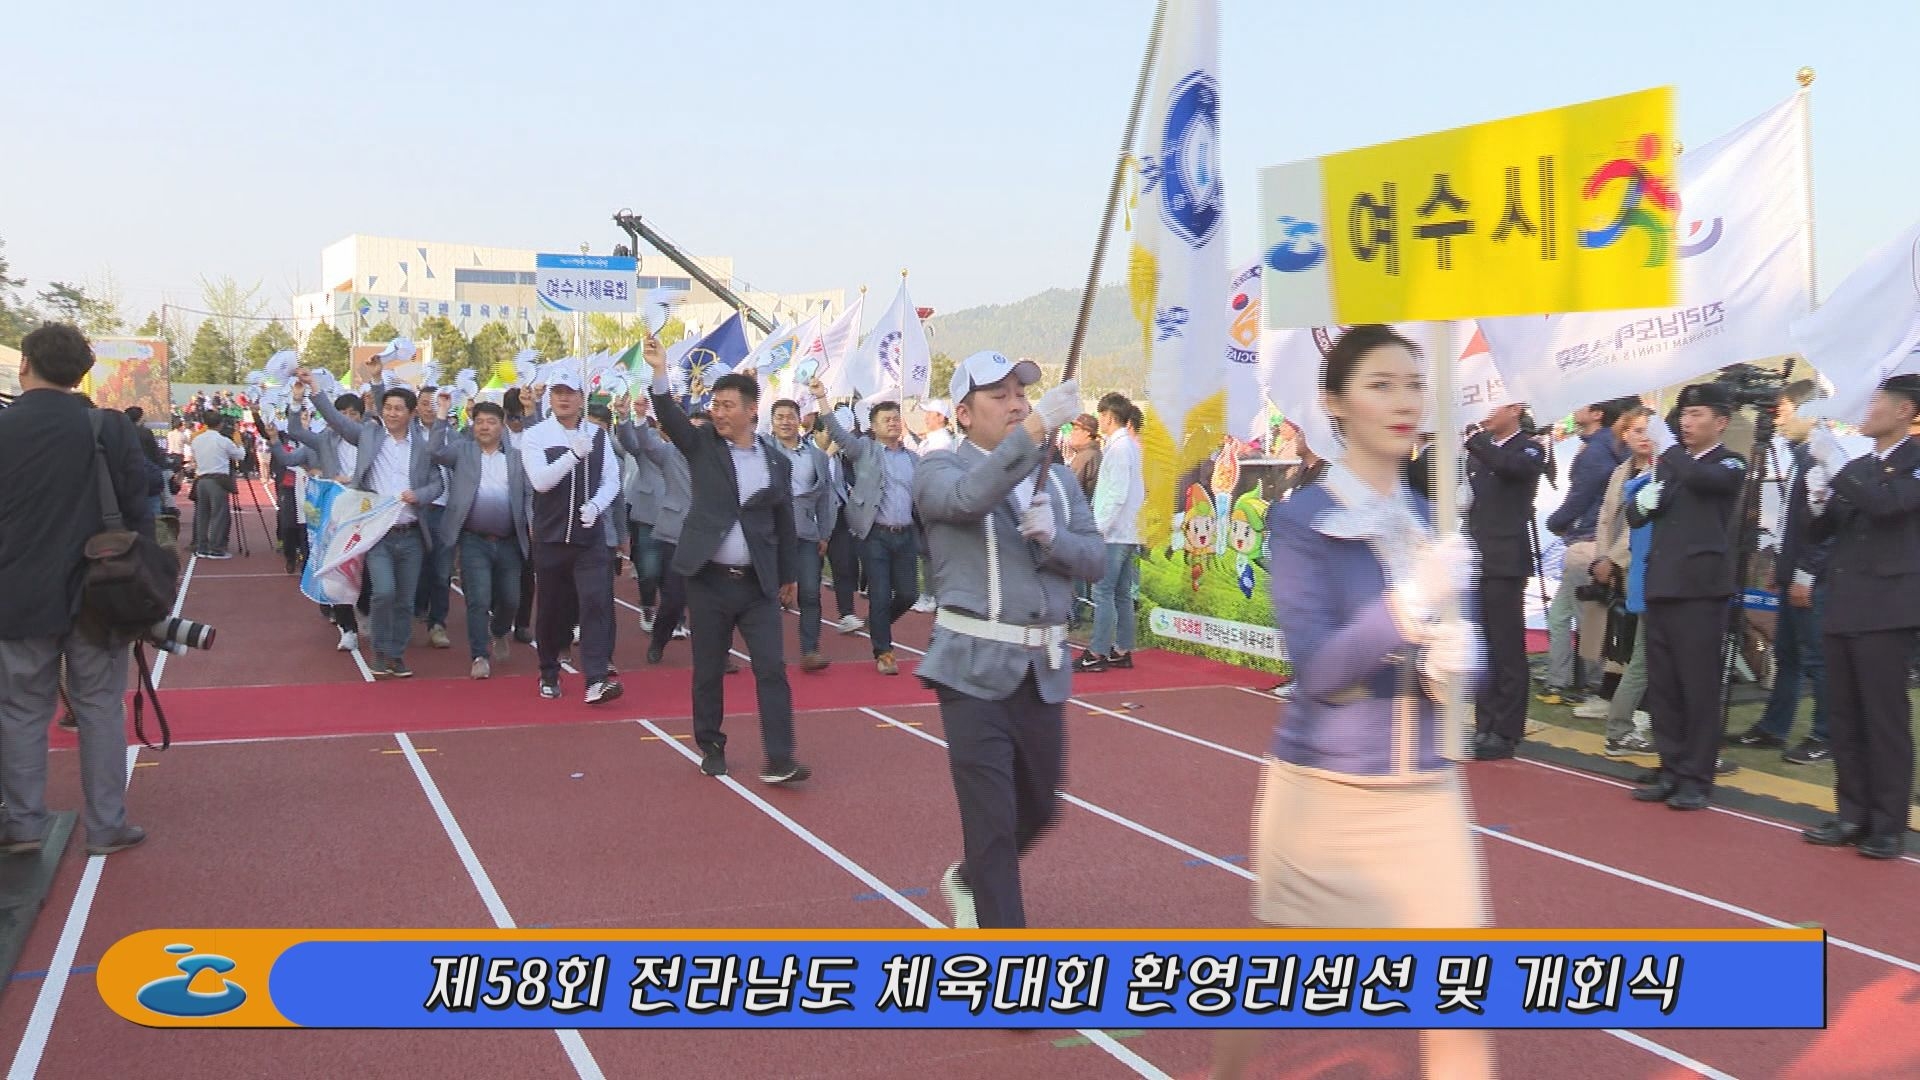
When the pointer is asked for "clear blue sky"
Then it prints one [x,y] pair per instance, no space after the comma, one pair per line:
[822,145]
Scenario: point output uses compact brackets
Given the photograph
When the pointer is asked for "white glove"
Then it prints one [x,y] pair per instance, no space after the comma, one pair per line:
[1660,433]
[1649,498]
[1444,572]
[1036,522]
[1819,486]
[1454,651]
[589,514]
[1826,449]
[1463,497]
[1059,405]
[580,441]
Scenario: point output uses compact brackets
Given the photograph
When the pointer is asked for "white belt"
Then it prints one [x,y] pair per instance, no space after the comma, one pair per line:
[1051,638]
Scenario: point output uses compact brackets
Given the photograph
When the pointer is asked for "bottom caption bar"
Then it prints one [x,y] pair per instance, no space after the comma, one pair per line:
[948,979]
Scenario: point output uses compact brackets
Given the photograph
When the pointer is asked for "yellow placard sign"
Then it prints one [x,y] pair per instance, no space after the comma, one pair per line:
[1570,209]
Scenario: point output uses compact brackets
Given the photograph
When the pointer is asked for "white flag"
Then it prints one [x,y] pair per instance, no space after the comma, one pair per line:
[1180,245]
[1743,280]
[896,355]
[1867,331]
[837,344]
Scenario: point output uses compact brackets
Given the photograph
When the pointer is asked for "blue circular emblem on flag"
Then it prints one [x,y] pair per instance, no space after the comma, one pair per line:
[1189,169]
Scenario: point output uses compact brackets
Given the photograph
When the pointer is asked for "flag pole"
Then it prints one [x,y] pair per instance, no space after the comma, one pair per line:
[1113,195]
[1805,78]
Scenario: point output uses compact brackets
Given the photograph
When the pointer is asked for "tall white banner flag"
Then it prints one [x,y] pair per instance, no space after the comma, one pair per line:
[1867,331]
[837,344]
[896,355]
[1180,248]
[1743,280]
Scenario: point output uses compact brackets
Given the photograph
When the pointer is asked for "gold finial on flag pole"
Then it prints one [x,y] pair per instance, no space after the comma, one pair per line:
[1804,77]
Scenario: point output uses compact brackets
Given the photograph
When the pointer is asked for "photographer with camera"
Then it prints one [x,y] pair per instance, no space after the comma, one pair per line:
[1570,673]
[214,456]
[1504,467]
[1691,566]
[50,506]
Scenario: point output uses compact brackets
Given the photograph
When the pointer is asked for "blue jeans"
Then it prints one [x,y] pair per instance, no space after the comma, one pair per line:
[490,574]
[646,561]
[809,589]
[432,594]
[893,580]
[1113,602]
[393,571]
[1796,651]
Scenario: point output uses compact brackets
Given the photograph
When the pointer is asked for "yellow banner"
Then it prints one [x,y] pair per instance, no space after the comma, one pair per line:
[1570,209]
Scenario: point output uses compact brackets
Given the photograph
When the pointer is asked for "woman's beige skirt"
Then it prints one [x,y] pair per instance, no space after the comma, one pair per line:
[1348,855]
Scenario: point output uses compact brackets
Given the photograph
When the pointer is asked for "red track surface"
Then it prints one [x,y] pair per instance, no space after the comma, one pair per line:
[579,818]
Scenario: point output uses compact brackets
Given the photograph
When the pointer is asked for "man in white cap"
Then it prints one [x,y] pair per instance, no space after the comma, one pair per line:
[1007,539]
[575,479]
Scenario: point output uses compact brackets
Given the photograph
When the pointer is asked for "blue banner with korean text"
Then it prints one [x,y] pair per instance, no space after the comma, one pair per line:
[908,979]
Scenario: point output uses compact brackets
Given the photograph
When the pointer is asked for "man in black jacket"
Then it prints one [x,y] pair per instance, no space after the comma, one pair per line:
[1872,513]
[1691,563]
[739,554]
[1503,471]
[49,506]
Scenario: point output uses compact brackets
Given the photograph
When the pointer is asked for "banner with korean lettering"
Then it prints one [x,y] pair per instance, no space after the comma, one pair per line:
[586,282]
[1744,277]
[1570,209]
[853,979]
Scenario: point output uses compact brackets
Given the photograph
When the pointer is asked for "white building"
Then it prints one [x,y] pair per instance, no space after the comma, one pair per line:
[375,279]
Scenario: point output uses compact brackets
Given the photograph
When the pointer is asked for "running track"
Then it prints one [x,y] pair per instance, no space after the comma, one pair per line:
[298,794]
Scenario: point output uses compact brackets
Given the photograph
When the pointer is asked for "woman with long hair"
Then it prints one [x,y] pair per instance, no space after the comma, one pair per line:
[1362,817]
[1623,560]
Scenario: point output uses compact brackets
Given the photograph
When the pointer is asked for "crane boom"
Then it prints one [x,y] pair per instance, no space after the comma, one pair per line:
[637,230]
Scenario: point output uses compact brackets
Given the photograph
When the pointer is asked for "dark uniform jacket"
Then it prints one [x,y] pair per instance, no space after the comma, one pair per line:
[1873,518]
[1505,479]
[1692,556]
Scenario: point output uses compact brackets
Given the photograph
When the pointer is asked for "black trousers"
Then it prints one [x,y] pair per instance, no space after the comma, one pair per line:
[1686,648]
[1008,759]
[1501,706]
[843,555]
[1870,718]
[523,615]
[718,601]
[573,590]
[673,598]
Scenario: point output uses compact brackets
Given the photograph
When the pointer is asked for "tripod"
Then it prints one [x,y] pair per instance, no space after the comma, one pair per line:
[1746,539]
[247,480]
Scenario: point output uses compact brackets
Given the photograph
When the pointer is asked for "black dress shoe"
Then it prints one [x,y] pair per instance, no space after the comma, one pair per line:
[1493,748]
[1658,791]
[655,654]
[1755,737]
[1650,776]
[1883,847]
[1834,833]
[1687,800]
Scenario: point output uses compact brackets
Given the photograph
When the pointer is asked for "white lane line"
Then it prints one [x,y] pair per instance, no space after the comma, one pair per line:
[583,1061]
[1643,1043]
[33,1041]
[1138,1064]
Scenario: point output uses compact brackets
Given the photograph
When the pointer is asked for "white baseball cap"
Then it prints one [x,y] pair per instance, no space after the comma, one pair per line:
[987,368]
[935,405]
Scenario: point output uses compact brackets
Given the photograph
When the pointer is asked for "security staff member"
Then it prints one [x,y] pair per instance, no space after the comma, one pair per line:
[1691,565]
[1872,513]
[1503,472]
[1007,540]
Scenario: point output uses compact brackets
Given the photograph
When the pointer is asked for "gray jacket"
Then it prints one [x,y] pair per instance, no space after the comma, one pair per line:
[423,476]
[324,443]
[676,488]
[984,568]
[814,509]
[460,455]
[869,476]
[644,485]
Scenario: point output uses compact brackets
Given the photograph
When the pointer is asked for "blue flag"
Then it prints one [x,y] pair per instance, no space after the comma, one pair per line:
[712,356]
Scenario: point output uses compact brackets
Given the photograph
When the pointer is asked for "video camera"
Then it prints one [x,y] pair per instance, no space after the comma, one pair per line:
[177,635]
[1754,387]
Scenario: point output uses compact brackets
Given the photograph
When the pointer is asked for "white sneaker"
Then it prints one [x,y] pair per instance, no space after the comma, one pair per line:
[959,899]
[849,624]
[349,641]
[482,669]
[926,603]
[680,632]
[1594,708]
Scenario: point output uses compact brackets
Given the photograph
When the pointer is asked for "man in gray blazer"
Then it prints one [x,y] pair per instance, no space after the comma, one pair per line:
[814,508]
[1007,540]
[670,515]
[880,511]
[393,459]
[485,520]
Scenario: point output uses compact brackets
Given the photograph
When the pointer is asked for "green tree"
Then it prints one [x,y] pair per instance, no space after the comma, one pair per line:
[95,316]
[610,333]
[212,359]
[272,338]
[155,327]
[382,333]
[940,376]
[491,347]
[450,349]
[236,311]
[327,348]
[550,342]
[16,318]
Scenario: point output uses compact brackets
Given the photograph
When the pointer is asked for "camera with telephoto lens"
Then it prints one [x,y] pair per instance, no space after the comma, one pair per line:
[177,635]
[1753,387]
